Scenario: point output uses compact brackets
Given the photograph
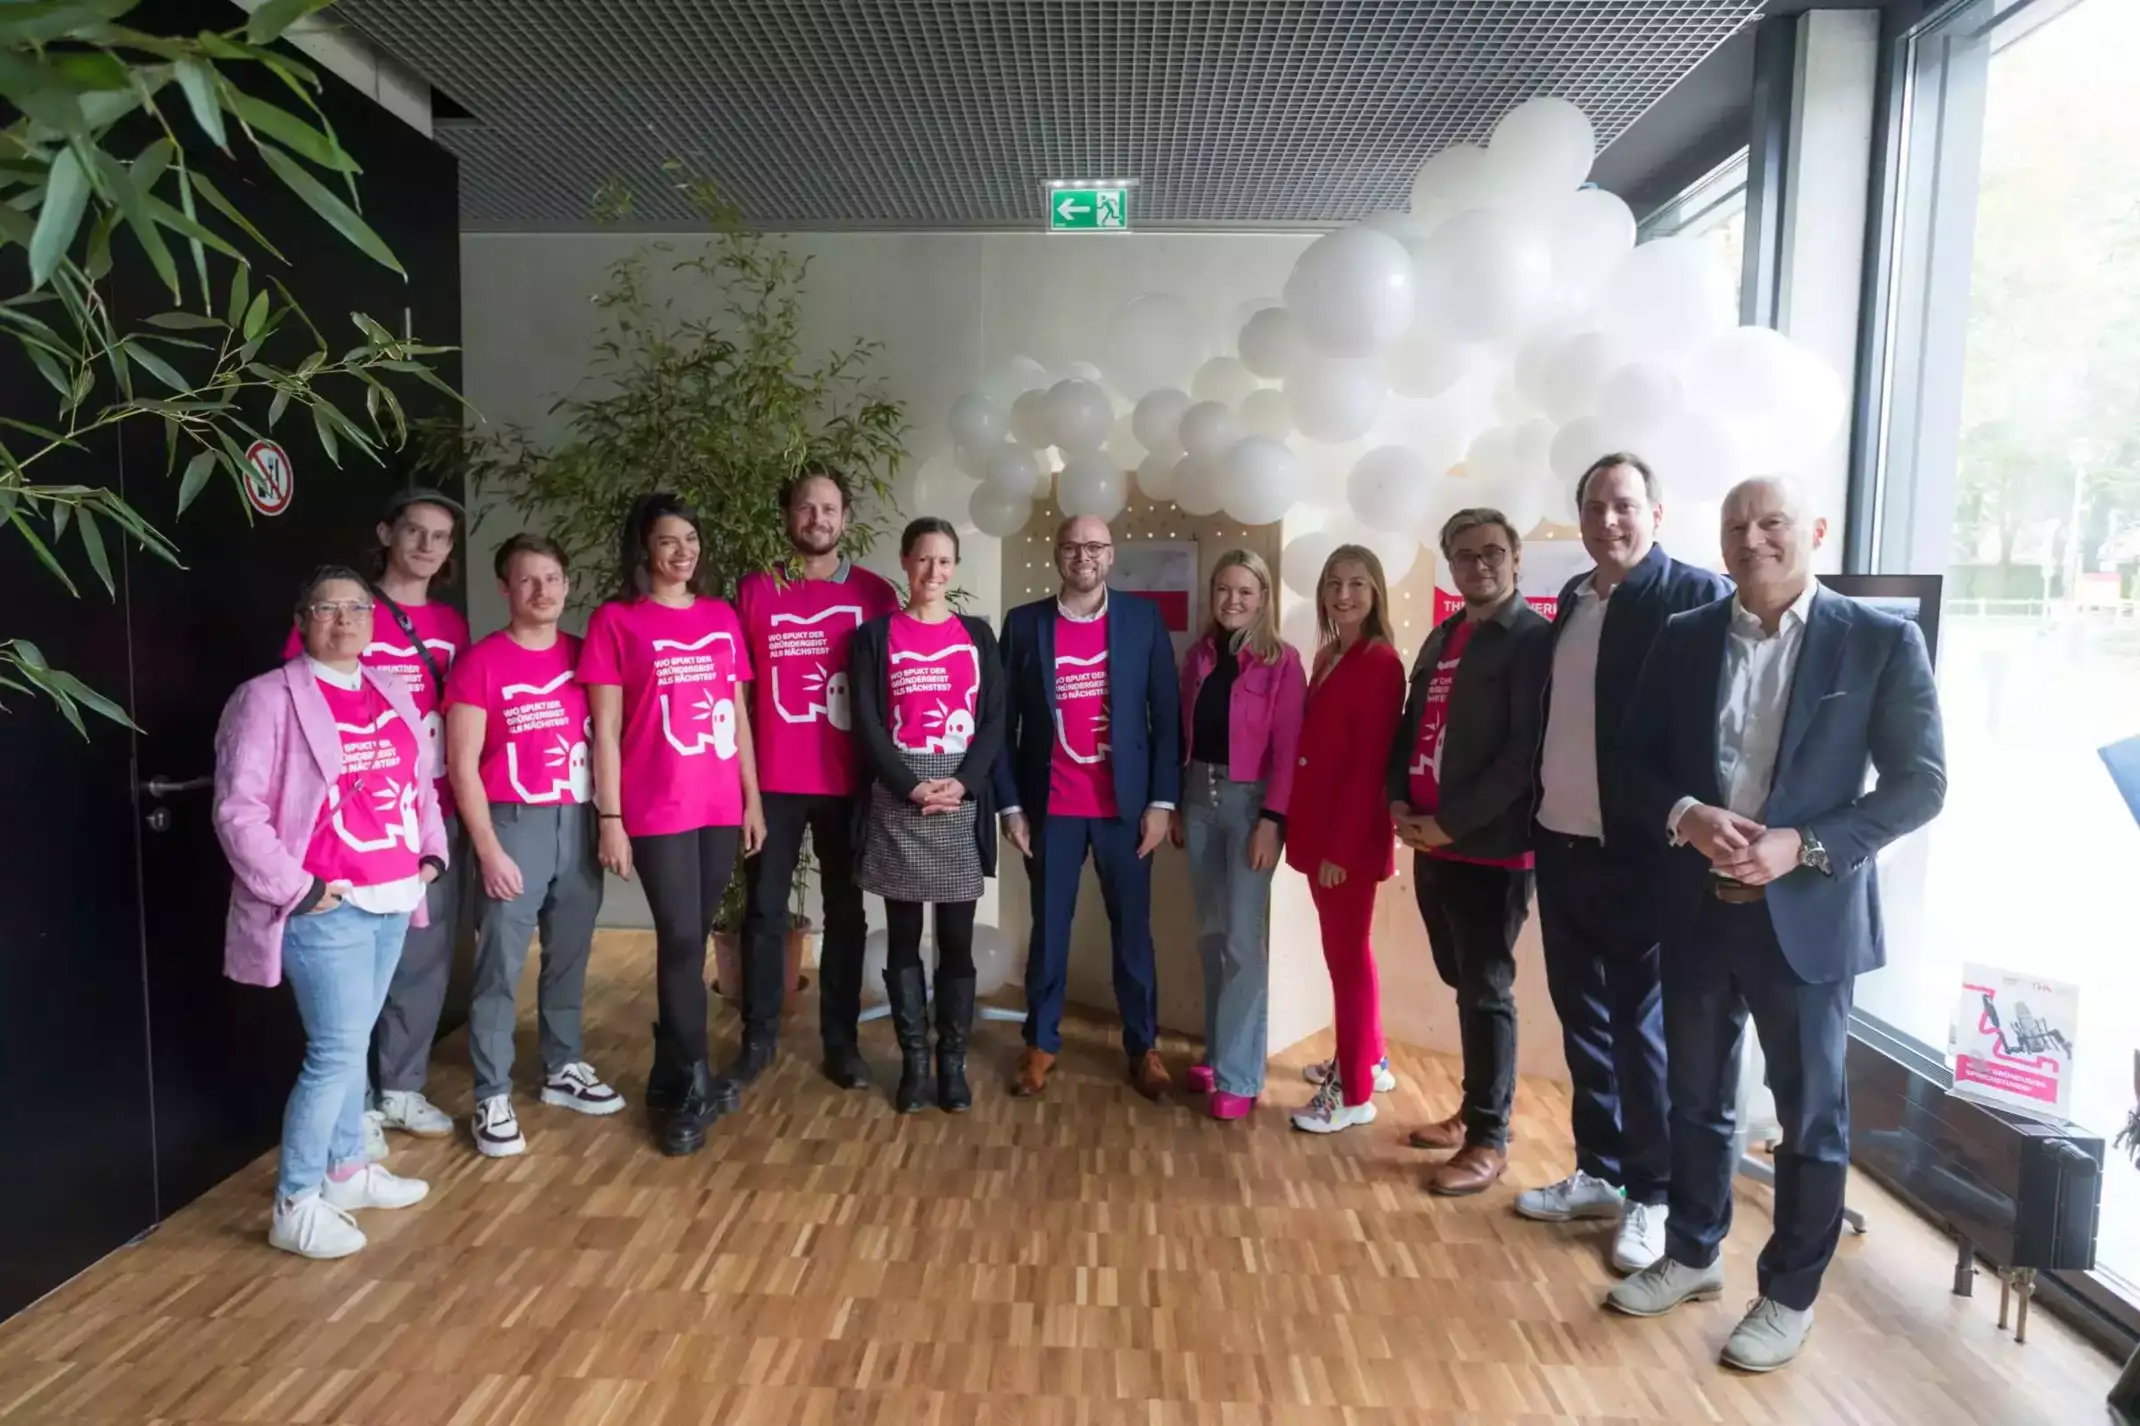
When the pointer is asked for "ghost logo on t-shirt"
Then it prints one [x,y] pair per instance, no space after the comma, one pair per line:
[366,748]
[804,642]
[578,769]
[934,694]
[709,722]
[534,708]
[1082,683]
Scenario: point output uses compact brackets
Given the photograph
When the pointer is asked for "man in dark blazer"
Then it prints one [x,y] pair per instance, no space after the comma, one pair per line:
[1747,745]
[1091,764]
[1597,863]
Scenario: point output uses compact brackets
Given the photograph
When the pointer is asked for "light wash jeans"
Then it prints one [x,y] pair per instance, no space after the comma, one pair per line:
[1233,908]
[339,964]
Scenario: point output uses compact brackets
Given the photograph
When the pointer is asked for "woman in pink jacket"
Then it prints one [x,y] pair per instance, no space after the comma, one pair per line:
[1241,695]
[333,832]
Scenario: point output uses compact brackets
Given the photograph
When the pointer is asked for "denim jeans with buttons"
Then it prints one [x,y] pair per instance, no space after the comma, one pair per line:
[1233,905]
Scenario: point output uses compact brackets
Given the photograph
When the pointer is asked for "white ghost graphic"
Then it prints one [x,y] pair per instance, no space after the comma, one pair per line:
[580,773]
[724,729]
[836,701]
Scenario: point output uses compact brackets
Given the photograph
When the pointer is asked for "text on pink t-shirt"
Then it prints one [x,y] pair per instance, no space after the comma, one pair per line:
[535,726]
[934,678]
[368,833]
[801,708]
[444,632]
[1081,773]
[679,668]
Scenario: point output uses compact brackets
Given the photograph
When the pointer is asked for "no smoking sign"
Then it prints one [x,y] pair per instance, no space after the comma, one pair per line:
[269,481]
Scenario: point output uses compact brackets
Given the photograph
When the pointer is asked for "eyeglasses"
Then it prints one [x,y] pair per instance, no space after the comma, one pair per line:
[1492,557]
[1091,550]
[323,611]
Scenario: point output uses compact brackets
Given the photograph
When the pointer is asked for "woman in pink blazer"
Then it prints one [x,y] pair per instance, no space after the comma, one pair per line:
[326,806]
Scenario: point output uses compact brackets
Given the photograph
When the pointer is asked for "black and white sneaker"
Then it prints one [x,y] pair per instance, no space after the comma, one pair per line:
[577,1088]
[497,1129]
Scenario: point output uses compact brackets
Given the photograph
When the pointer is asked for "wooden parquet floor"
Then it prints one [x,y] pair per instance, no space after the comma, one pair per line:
[1088,1258]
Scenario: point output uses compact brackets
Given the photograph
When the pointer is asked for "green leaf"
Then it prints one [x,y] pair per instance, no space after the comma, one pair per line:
[241,292]
[157,367]
[37,91]
[185,322]
[198,80]
[280,404]
[102,108]
[321,424]
[256,317]
[16,226]
[167,216]
[133,205]
[93,542]
[30,656]
[338,214]
[66,194]
[267,23]
[290,131]
[151,163]
[98,263]
[200,183]
[89,698]
[197,472]
[47,20]
[44,554]
[49,369]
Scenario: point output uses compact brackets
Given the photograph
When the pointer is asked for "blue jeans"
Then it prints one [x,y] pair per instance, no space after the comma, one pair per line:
[339,964]
[1233,905]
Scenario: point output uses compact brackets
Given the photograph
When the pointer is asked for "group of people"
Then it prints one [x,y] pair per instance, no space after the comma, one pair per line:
[1678,765]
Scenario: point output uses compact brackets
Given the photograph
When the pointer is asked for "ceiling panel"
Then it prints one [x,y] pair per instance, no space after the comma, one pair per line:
[955,113]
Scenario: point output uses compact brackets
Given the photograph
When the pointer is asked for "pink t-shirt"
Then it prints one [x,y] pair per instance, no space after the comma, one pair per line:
[1081,774]
[445,633]
[679,669]
[801,711]
[368,833]
[935,683]
[1425,771]
[535,728]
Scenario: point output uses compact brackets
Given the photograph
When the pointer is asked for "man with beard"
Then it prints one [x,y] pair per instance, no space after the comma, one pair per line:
[798,618]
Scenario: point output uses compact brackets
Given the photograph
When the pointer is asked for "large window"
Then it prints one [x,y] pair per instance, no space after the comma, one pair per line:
[1713,210]
[2010,463]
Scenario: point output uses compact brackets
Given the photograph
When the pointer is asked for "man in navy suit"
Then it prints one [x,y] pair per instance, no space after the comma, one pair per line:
[1748,740]
[1091,764]
[1597,863]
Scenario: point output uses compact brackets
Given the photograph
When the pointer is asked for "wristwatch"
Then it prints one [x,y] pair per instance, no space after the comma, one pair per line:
[1811,853]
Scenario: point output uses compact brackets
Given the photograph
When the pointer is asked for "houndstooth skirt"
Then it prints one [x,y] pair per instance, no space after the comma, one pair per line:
[908,857]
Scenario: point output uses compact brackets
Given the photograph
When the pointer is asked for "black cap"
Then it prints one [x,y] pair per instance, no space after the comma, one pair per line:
[422,495]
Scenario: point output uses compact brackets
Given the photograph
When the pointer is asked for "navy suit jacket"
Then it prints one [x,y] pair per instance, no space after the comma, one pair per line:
[1653,592]
[1143,707]
[1862,693]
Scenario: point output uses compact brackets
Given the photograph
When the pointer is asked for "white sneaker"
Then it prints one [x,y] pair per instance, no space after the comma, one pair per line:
[576,1087]
[1323,1071]
[1640,1241]
[497,1129]
[1768,1337]
[411,1113]
[1328,1112]
[1663,1285]
[375,1150]
[1576,1196]
[373,1187]
[311,1227]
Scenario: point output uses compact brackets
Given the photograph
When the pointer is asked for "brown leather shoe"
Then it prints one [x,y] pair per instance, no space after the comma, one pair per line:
[1033,1067]
[1150,1075]
[1472,1169]
[1446,1134]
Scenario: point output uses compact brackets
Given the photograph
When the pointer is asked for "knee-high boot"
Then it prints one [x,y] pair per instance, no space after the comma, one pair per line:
[954,1017]
[908,993]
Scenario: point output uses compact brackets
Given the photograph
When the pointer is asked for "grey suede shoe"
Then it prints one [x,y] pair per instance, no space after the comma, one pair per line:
[1768,1336]
[1663,1285]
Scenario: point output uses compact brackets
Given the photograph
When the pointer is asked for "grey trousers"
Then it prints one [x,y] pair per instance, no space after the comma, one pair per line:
[408,1023]
[561,891]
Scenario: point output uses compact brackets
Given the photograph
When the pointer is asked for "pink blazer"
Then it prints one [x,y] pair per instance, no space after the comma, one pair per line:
[1262,721]
[276,750]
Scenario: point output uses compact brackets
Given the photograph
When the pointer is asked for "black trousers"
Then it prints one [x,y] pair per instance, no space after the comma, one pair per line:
[685,875]
[1731,967]
[1473,915]
[954,937]
[768,885]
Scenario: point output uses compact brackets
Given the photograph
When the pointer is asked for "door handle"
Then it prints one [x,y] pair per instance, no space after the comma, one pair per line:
[171,786]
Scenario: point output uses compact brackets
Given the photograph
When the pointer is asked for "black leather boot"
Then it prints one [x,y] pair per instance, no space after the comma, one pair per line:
[954,1016]
[752,1059]
[844,1064]
[909,995]
[670,1077]
[685,1130]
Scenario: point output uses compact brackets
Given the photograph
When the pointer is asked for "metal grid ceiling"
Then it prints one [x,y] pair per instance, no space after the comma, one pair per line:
[955,113]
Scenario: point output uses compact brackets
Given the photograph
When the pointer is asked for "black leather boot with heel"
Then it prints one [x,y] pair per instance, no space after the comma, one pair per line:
[670,1077]
[703,1103]
[909,996]
[954,1019]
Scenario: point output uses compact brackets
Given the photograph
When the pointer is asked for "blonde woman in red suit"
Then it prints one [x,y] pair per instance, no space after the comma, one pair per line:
[1341,837]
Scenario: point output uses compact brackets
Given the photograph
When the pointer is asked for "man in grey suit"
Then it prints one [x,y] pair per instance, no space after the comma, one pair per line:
[1748,738]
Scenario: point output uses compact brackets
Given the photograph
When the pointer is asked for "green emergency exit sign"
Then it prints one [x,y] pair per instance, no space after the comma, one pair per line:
[1087,208]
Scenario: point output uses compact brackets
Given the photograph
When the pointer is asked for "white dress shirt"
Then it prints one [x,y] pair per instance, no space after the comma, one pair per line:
[395,897]
[1568,791]
[1097,614]
[1756,696]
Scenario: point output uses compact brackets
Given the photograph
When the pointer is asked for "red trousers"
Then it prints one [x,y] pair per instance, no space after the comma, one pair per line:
[1347,911]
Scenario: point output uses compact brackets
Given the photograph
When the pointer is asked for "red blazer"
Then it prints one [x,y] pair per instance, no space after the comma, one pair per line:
[1341,810]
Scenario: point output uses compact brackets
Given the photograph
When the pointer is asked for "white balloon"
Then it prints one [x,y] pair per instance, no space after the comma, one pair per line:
[1265,413]
[1300,564]
[1641,394]
[1079,414]
[1123,447]
[1335,401]
[1155,476]
[972,460]
[1576,372]
[1257,480]
[1590,231]
[1223,379]
[1512,454]
[1029,420]
[1084,371]
[976,420]
[1667,298]
[1152,341]
[1019,375]
[1402,226]
[1091,484]
[1351,292]
[1391,488]
[1459,178]
[1784,399]
[998,513]
[1580,442]
[1015,474]
[993,962]
[1698,457]
[1485,275]
[1157,418]
[941,489]
[1510,404]
[1207,429]
[1696,529]
[1425,363]
[1270,343]
[1196,485]
[1547,143]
